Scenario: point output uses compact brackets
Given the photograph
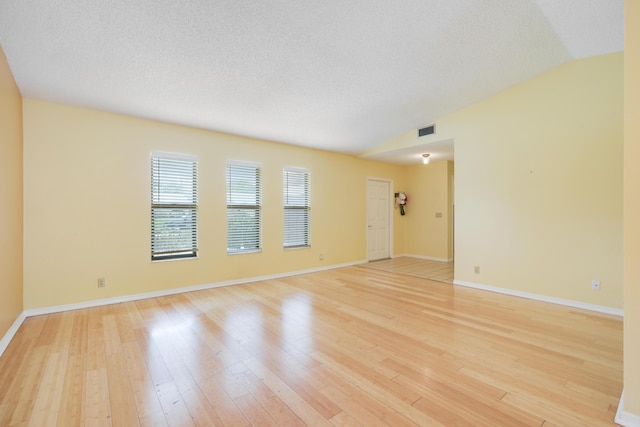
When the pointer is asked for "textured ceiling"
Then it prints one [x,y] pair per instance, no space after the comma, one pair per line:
[337,75]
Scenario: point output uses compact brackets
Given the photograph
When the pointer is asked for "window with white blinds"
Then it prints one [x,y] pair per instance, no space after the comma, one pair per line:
[297,208]
[174,206]
[244,208]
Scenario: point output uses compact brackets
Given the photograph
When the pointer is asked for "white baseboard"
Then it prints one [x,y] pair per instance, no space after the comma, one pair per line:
[544,298]
[8,336]
[622,417]
[626,419]
[429,258]
[173,291]
[6,339]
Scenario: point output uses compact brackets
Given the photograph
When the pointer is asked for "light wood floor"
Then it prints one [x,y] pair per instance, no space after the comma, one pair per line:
[427,269]
[346,347]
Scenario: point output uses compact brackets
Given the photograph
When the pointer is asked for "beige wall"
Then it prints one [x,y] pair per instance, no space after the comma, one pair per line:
[539,184]
[87,205]
[451,225]
[11,196]
[632,208]
[429,191]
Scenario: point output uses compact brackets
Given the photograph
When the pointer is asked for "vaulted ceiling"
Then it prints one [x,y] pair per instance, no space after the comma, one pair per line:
[339,75]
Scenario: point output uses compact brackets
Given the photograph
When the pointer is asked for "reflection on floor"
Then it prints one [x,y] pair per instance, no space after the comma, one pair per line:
[427,269]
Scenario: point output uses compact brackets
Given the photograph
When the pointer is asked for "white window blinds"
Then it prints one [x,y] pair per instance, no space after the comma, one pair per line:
[174,208]
[297,209]
[244,208]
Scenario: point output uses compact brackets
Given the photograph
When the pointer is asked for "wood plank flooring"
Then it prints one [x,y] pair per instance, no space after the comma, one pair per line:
[346,347]
[424,268]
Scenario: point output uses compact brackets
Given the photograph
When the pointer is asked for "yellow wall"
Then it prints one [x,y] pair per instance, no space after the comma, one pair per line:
[632,208]
[87,205]
[11,196]
[539,184]
[428,189]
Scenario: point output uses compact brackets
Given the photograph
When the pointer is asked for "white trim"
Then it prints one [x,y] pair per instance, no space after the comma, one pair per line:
[428,258]
[543,298]
[176,156]
[390,213]
[6,339]
[296,169]
[244,163]
[624,418]
[173,291]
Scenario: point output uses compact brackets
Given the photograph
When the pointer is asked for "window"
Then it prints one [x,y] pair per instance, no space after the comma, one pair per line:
[244,208]
[174,208]
[297,209]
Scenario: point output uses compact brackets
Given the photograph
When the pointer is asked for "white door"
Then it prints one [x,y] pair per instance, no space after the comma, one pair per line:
[378,219]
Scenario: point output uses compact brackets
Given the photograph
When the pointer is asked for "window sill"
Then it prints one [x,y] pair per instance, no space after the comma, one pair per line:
[253,251]
[174,259]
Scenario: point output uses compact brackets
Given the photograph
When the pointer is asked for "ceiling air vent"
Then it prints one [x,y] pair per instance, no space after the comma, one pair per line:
[429,130]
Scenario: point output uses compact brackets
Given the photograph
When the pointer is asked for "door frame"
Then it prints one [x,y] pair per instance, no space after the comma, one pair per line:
[390,216]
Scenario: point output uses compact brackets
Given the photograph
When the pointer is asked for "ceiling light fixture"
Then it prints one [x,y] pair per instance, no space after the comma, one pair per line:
[425,158]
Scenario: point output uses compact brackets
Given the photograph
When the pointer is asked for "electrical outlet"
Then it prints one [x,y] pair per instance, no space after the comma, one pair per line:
[321,257]
[102,282]
[595,285]
[476,269]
